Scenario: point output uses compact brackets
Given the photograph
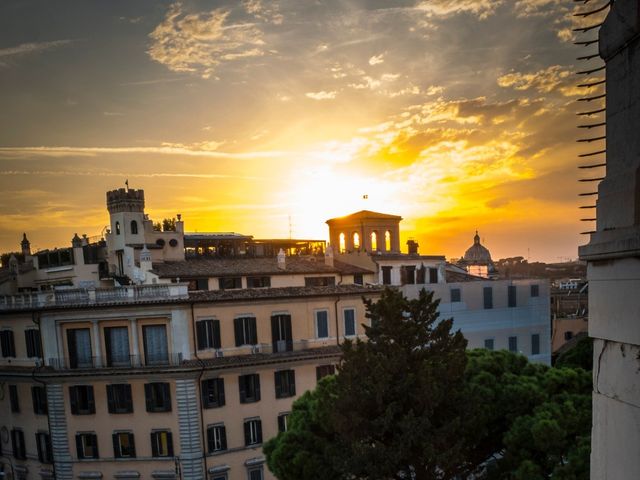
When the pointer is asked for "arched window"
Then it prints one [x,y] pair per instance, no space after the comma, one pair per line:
[117,228]
[356,241]
[374,241]
[134,227]
[343,246]
[387,241]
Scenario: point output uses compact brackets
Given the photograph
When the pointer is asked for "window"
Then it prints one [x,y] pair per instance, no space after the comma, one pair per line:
[229,283]
[513,344]
[39,397]
[408,275]
[116,341]
[245,331]
[7,343]
[155,344]
[285,383]
[322,324]
[79,345]
[456,295]
[43,443]
[216,438]
[356,241]
[252,432]
[343,246]
[283,422]
[568,335]
[249,388]
[535,290]
[119,399]
[34,344]
[386,275]
[82,400]
[281,335]
[117,228]
[258,282]
[387,241]
[488,343]
[13,399]
[202,283]
[161,443]
[134,227]
[535,344]
[349,315]
[324,370]
[123,445]
[374,241]
[158,397]
[420,273]
[433,275]
[488,297]
[208,334]
[256,473]
[358,279]
[87,445]
[511,296]
[17,443]
[212,392]
[319,281]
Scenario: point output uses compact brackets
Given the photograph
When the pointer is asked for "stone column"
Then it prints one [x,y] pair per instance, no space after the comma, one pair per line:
[96,343]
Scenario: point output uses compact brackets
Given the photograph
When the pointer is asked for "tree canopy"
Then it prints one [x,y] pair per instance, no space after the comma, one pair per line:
[412,403]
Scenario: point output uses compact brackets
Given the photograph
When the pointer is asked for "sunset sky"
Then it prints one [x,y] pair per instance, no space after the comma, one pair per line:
[257,117]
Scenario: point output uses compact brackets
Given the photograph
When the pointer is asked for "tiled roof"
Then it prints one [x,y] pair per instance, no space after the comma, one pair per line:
[220,267]
[404,256]
[281,292]
[366,214]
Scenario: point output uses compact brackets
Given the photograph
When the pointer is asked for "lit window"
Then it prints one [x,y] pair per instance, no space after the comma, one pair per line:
[387,241]
[87,445]
[161,444]
[374,241]
[356,241]
[123,445]
[343,245]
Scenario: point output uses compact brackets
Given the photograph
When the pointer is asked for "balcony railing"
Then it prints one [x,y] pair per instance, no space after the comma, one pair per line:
[124,362]
[82,296]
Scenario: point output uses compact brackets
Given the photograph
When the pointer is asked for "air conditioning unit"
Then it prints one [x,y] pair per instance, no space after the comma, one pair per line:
[256,349]
[219,353]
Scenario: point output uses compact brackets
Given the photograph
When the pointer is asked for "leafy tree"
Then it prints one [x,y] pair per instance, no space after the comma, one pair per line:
[580,356]
[169,225]
[4,258]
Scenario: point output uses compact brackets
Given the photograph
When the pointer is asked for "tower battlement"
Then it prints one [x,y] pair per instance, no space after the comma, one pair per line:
[123,200]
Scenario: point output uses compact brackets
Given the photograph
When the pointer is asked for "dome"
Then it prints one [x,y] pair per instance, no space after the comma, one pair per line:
[477,254]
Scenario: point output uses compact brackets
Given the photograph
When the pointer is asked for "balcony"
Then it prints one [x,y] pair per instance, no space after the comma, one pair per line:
[129,361]
[97,296]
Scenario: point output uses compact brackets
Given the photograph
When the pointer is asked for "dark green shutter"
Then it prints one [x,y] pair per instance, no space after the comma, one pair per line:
[170,443]
[237,328]
[73,397]
[116,446]
[201,334]
[275,332]
[210,439]
[154,443]
[132,443]
[288,333]
[79,450]
[72,347]
[259,431]
[278,381]
[39,446]
[204,393]
[221,397]
[242,382]
[223,437]
[217,343]
[128,398]
[91,401]
[253,334]
[292,382]
[247,433]
[281,424]
[256,385]
[94,443]
[148,396]
[111,404]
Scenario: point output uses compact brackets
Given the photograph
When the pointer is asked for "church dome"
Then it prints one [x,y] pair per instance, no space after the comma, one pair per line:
[477,254]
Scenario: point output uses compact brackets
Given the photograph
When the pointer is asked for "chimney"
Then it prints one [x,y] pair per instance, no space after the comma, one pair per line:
[328,256]
[281,260]
[76,241]
[413,247]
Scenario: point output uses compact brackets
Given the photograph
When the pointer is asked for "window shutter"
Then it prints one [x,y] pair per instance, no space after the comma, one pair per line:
[201,334]
[216,334]
[253,334]
[79,450]
[116,445]
[166,397]
[242,382]
[221,398]
[94,444]
[170,443]
[72,347]
[205,392]
[132,444]
[281,424]
[256,386]
[111,404]
[154,444]
[107,346]
[12,344]
[73,397]
[91,401]
[288,333]
[237,327]
[148,396]
[128,398]
[292,382]
[41,458]
[14,443]
[275,333]
[247,433]
[259,431]
[278,381]
[223,437]
[210,439]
